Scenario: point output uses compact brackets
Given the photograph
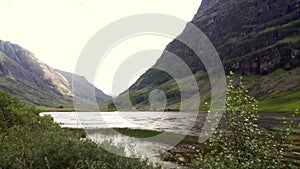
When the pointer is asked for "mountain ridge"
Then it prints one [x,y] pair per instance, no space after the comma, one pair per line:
[36,83]
[83,88]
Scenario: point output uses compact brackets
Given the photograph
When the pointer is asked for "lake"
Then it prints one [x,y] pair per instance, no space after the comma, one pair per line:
[177,122]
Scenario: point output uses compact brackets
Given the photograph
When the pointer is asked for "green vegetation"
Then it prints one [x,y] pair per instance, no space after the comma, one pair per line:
[239,142]
[141,133]
[52,109]
[30,141]
[70,109]
[277,91]
[287,34]
[290,43]
[282,102]
[31,93]
[139,97]
[137,133]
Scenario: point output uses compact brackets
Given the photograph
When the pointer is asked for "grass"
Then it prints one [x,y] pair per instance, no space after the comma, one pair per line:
[67,109]
[283,102]
[278,91]
[31,94]
[142,133]
[53,109]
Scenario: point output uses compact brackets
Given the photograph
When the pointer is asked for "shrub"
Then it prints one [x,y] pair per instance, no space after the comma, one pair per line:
[239,142]
[30,141]
[14,113]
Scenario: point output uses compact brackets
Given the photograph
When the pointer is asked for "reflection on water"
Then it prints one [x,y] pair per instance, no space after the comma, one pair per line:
[159,121]
[128,146]
[178,122]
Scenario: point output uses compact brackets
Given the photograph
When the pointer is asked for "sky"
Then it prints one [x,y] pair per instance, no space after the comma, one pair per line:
[56,31]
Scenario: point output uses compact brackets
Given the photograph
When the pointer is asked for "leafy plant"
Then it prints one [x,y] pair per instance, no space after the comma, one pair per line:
[30,141]
[239,142]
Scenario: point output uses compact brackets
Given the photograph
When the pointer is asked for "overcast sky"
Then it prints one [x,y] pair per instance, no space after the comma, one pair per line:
[57,30]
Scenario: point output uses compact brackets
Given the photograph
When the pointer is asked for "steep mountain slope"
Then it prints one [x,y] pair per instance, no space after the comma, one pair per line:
[84,89]
[259,39]
[34,82]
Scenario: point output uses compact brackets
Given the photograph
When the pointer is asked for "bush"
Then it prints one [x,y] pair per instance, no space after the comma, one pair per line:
[239,142]
[30,141]
[14,113]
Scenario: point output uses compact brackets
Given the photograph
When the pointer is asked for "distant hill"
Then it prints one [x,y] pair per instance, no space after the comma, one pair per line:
[83,89]
[259,39]
[35,83]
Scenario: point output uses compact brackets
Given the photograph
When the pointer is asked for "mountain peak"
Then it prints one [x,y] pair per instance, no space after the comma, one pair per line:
[205,5]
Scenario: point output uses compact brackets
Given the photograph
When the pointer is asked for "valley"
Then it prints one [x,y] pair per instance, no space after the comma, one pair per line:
[51,118]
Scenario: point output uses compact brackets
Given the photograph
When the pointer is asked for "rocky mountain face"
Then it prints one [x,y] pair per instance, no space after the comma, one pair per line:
[251,36]
[254,38]
[36,83]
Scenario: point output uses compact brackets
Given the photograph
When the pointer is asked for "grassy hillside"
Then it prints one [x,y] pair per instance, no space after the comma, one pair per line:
[278,91]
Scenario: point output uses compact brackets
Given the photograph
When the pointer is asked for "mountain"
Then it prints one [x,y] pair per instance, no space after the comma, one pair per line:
[35,83]
[259,39]
[83,89]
